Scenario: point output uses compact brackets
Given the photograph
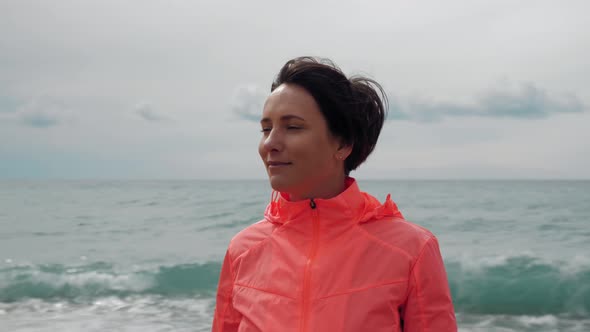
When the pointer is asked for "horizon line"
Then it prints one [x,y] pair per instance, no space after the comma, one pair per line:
[264,179]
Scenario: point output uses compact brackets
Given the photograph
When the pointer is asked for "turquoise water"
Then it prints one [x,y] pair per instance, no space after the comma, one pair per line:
[145,256]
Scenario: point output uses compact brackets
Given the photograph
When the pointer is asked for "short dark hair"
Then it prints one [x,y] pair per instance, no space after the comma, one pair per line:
[354,108]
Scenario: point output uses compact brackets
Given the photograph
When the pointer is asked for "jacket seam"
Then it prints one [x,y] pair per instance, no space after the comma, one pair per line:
[381,242]
[420,253]
[264,290]
[413,274]
[252,323]
[230,293]
[360,289]
[257,243]
[418,297]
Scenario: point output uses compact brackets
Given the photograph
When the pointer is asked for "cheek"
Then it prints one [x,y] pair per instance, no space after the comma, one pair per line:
[261,149]
[316,153]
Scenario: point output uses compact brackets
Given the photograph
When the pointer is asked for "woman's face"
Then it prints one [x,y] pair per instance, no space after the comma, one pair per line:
[298,150]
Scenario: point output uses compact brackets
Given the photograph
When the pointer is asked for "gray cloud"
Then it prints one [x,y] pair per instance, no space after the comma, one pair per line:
[525,101]
[146,112]
[43,112]
[247,102]
[40,120]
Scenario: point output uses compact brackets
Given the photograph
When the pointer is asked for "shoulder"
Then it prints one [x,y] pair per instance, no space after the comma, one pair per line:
[249,237]
[400,234]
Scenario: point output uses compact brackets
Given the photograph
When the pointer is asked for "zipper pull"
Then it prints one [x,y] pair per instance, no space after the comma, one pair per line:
[312,203]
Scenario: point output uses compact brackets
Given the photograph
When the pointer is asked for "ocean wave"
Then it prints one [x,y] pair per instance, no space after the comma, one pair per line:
[502,285]
[520,285]
[49,282]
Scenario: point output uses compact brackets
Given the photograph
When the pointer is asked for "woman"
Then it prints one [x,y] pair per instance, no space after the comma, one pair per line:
[326,256]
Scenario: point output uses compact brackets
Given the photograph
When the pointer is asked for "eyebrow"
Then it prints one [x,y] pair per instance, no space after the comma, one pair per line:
[284,118]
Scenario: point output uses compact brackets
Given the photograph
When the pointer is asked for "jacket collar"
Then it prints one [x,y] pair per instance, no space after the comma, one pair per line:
[351,205]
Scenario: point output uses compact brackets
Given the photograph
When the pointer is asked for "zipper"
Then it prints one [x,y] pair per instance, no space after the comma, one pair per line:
[305,307]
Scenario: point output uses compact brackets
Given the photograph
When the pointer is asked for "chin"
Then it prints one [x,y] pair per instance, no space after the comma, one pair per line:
[279,183]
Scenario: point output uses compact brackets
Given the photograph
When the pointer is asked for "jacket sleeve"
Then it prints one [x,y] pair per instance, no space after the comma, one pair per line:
[226,318]
[428,307]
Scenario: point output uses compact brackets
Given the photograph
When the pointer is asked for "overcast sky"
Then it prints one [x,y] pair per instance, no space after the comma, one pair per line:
[174,89]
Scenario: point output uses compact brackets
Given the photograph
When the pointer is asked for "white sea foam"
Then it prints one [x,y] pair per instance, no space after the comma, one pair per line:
[546,320]
[478,264]
[150,313]
[124,282]
[510,323]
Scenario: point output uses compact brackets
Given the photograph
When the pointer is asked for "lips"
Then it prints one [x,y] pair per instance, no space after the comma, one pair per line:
[277,163]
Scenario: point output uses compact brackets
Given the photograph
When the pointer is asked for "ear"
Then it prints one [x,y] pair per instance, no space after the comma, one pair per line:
[343,151]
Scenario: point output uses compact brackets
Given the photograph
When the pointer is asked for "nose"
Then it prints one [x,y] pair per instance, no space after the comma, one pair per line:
[272,141]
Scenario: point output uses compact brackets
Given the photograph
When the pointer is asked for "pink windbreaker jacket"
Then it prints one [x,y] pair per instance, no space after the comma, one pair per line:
[348,264]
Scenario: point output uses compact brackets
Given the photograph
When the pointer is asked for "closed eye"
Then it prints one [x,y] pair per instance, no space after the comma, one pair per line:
[268,129]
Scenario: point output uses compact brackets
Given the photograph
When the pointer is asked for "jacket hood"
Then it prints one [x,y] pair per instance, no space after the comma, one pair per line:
[351,205]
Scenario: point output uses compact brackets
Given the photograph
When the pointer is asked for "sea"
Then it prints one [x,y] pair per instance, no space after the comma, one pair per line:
[83,255]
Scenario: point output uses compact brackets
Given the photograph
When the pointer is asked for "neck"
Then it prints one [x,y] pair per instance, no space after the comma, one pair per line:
[327,189]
